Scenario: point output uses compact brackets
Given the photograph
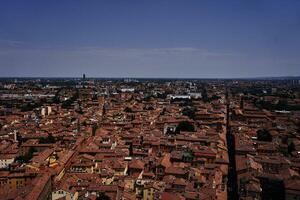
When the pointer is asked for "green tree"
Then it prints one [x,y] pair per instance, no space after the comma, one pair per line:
[48,140]
[94,129]
[264,135]
[128,110]
[189,111]
[27,157]
[205,96]
[291,147]
[185,126]
[102,196]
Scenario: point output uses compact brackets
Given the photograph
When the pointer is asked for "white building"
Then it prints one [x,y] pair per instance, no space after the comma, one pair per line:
[49,110]
[43,112]
[127,89]
[60,193]
[175,96]
[196,95]
[6,160]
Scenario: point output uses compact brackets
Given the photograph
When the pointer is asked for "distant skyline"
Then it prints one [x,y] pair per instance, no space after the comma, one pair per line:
[150,38]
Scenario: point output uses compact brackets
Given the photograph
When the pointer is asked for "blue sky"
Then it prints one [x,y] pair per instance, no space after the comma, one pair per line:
[150,38]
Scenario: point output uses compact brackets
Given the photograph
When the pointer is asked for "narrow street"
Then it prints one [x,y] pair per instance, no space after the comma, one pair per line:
[232,186]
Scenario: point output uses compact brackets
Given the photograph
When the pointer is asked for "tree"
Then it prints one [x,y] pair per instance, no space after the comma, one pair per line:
[272,189]
[215,97]
[185,126]
[94,129]
[84,123]
[29,107]
[164,110]
[48,140]
[102,196]
[56,99]
[80,111]
[148,108]
[189,111]
[282,105]
[27,157]
[69,102]
[291,147]
[162,95]
[264,135]
[128,110]
[205,96]
[298,127]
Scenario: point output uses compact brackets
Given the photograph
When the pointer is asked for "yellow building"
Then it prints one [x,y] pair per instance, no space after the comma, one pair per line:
[17,180]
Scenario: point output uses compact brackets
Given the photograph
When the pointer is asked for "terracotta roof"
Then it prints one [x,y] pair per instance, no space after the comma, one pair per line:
[136,164]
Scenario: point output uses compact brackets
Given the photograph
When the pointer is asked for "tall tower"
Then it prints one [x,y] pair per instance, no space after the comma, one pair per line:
[83,80]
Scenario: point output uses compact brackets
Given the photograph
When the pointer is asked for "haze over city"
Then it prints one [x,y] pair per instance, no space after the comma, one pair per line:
[170,38]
